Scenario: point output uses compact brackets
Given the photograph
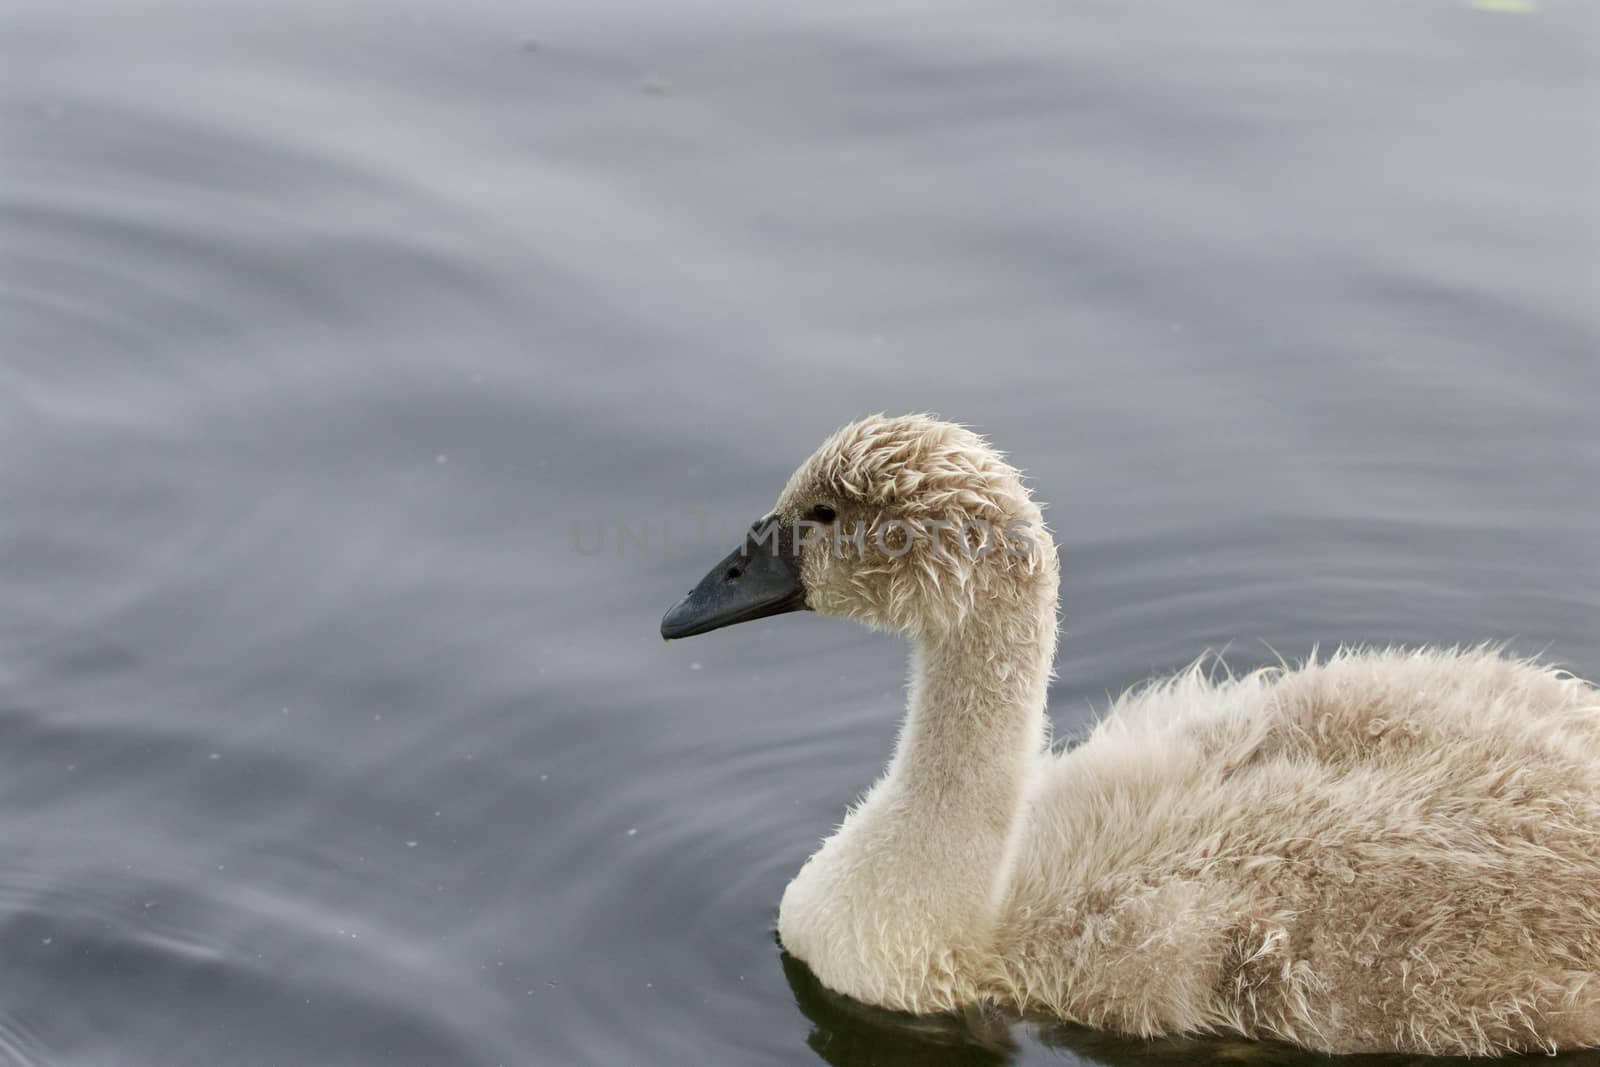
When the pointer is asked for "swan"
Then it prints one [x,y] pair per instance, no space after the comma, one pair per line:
[1385,850]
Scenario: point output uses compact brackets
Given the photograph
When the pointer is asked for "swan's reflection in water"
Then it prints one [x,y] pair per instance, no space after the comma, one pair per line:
[847,1033]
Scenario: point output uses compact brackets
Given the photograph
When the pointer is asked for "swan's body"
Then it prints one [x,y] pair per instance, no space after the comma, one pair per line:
[1386,851]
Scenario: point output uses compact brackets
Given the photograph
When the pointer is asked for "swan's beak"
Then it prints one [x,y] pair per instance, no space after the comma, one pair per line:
[760,578]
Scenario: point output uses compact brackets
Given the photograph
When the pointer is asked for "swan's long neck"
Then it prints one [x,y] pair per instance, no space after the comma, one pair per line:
[911,881]
[974,727]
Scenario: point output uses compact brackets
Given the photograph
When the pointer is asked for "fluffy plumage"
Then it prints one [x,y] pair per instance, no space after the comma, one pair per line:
[1387,851]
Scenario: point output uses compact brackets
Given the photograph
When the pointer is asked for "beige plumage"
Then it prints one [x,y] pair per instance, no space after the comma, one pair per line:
[1386,851]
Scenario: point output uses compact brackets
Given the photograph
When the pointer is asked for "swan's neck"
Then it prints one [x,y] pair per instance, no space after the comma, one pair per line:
[911,881]
[975,725]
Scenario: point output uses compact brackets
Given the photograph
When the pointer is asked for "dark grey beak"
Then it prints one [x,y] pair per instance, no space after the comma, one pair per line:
[760,578]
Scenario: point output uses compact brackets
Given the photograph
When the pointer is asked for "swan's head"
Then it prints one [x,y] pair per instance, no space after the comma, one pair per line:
[905,523]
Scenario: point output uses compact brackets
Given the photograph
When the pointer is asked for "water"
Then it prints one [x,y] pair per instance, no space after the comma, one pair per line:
[326,736]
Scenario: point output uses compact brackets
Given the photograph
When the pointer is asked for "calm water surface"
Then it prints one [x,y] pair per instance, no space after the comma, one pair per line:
[342,341]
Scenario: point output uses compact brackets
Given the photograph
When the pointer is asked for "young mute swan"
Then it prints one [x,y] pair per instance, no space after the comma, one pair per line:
[1388,851]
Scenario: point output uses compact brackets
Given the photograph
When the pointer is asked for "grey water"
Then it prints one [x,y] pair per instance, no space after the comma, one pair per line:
[375,374]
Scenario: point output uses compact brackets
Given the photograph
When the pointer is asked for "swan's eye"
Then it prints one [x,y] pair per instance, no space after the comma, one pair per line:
[823,513]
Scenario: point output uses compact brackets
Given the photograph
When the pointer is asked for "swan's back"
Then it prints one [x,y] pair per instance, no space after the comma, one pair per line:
[1386,850]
